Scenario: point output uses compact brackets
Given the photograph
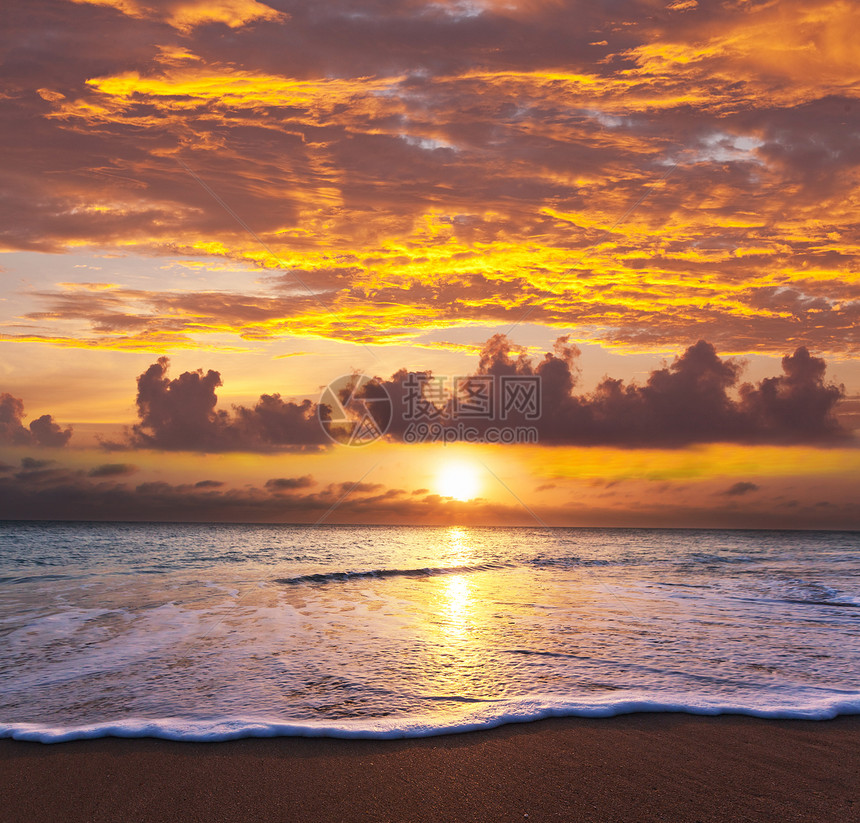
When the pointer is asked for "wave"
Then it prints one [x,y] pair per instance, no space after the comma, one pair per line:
[32,578]
[800,593]
[842,604]
[387,728]
[691,560]
[430,571]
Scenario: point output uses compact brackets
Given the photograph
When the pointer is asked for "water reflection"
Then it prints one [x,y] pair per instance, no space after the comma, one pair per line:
[459,549]
[456,591]
[457,606]
[456,618]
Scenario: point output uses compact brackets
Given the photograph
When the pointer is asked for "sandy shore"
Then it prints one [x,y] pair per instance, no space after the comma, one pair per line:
[634,768]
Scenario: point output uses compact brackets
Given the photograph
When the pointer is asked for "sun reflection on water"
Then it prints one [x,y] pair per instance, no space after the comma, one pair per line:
[457,606]
[455,593]
[459,550]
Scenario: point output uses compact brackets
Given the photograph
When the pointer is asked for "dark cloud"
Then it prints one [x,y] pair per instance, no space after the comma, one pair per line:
[32,463]
[740,488]
[112,470]
[290,483]
[42,431]
[11,413]
[698,398]
[66,494]
[208,484]
[180,414]
[797,402]
[695,399]
[46,432]
[35,473]
[358,487]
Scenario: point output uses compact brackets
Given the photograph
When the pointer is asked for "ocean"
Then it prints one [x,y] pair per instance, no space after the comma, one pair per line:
[214,632]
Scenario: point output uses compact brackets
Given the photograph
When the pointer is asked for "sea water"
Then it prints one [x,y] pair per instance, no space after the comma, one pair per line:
[212,632]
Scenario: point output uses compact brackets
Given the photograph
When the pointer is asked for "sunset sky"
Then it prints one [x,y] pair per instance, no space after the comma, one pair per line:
[650,207]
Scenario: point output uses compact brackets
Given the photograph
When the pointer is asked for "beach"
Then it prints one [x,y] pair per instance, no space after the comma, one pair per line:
[642,767]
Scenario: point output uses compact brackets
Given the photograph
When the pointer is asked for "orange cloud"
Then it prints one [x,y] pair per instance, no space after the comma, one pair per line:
[185,15]
[682,181]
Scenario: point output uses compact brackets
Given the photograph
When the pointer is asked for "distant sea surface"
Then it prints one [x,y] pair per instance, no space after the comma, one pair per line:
[211,632]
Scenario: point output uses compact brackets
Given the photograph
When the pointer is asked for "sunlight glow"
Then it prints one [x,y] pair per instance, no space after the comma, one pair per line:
[459,480]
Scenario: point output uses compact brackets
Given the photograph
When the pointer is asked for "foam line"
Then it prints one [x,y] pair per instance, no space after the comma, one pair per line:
[524,711]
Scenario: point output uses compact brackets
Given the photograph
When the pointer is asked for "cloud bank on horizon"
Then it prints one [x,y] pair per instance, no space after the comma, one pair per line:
[687,402]
[413,165]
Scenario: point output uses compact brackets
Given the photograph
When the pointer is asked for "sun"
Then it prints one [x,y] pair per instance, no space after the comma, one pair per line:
[459,480]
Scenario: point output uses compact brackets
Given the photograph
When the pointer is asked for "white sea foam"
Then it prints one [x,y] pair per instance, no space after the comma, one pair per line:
[524,711]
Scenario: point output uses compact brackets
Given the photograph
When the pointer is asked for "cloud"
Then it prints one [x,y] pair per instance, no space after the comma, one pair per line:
[32,463]
[797,401]
[279,484]
[112,470]
[185,15]
[42,431]
[347,487]
[465,166]
[61,493]
[180,414]
[698,398]
[740,488]
[695,399]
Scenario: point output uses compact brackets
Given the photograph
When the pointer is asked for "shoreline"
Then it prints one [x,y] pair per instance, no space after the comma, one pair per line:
[230,729]
[660,766]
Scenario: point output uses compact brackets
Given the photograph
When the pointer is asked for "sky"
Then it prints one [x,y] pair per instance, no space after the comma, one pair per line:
[534,262]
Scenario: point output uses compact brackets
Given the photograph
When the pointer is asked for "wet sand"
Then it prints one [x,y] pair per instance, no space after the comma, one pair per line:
[666,767]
